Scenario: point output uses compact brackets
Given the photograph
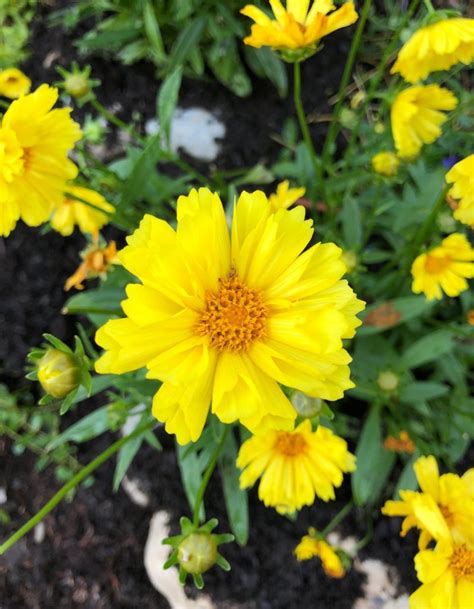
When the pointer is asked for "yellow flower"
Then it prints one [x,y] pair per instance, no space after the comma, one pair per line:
[97,261]
[224,320]
[461,176]
[13,83]
[298,27]
[34,168]
[295,466]
[447,572]
[454,495]
[417,115]
[437,46]
[444,268]
[284,197]
[385,163]
[71,211]
[310,546]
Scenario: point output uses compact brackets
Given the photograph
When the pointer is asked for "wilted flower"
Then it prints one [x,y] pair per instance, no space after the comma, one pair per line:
[83,207]
[417,115]
[284,197]
[383,316]
[311,545]
[437,46]
[97,261]
[402,444]
[444,268]
[223,320]
[461,176]
[386,163]
[13,83]
[295,466]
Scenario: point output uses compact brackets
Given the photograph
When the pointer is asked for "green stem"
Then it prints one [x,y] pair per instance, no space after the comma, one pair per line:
[339,517]
[207,476]
[367,537]
[115,120]
[429,6]
[377,77]
[77,479]
[304,125]
[328,148]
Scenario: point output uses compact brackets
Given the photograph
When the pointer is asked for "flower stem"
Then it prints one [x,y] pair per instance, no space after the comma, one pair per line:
[304,125]
[328,149]
[429,6]
[111,118]
[77,479]
[339,517]
[207,476]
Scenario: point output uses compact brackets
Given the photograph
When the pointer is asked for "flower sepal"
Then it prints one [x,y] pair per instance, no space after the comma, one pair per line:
[298,55]
[195,550]
[77,83]
[436,16]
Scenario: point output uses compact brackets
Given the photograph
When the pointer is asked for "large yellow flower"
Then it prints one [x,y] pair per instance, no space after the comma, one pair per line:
[447,572]
[461,176]
[71,211]
[13,83]
[417,115]
[225,320]
[298,26]
[295,466]
[454,495]
[437,46]
[310,546]
[444,268]
[34,168]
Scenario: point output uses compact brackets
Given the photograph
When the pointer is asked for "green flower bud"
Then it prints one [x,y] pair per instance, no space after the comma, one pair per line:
[197,553]
[306,406]
[388,381]
[77,85]
[58,373]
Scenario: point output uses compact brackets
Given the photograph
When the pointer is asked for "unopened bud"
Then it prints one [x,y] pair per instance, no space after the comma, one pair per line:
[306,406]
[388,381]
[197,553]
[77,85]
[58,373]
[350,260]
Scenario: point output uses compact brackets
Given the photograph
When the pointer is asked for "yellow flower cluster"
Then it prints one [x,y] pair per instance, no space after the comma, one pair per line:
[443,513]
[222,320]
[461,176]
[311,546]
[295,466]
[444,268]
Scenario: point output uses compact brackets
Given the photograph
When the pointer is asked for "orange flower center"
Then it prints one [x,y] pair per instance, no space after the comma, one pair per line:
[234,317]
[290,444]
[462,563]
[435,264]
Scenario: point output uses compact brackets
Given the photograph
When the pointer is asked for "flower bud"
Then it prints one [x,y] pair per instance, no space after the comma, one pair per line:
[197,553]
[306,406]
[388,381]
[77,84]
[58,373]
[349,258]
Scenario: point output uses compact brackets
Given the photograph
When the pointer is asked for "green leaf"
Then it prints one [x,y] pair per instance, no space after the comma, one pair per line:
[167,100]
[236,499]
[351,223]
[135,185]
[127,454]
[186,41]
[264,62]
[374,463]
[88,427]
[191,474]
[407,480]
[152,31]
[428,349]
[421,391]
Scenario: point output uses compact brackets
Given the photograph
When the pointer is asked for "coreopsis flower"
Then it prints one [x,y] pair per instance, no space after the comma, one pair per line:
[402,444]
[444,268]
[13,83]
[447,571]
[417,115]
[385,163]
[461,176]
[454,496]
[437,46]
[284,197]
[310,546]
[96,262]
[295,466]
[223,320]
[83,211]
[297,29]
[34,168]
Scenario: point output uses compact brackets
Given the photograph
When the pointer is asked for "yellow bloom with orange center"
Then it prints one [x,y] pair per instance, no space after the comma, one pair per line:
[298,27]
[89,211]
[444,268]
[295,466]
[386,163]
[222,320]
[97,261]
[34,168]
[434,47]
[454,496]
[13,83]
[447,571]
[461,176]
[311,546]
[417,115]
[284,197]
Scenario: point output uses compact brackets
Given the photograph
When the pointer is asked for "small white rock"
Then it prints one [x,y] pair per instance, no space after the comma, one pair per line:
[136,494]
[3,495]
[39,532]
